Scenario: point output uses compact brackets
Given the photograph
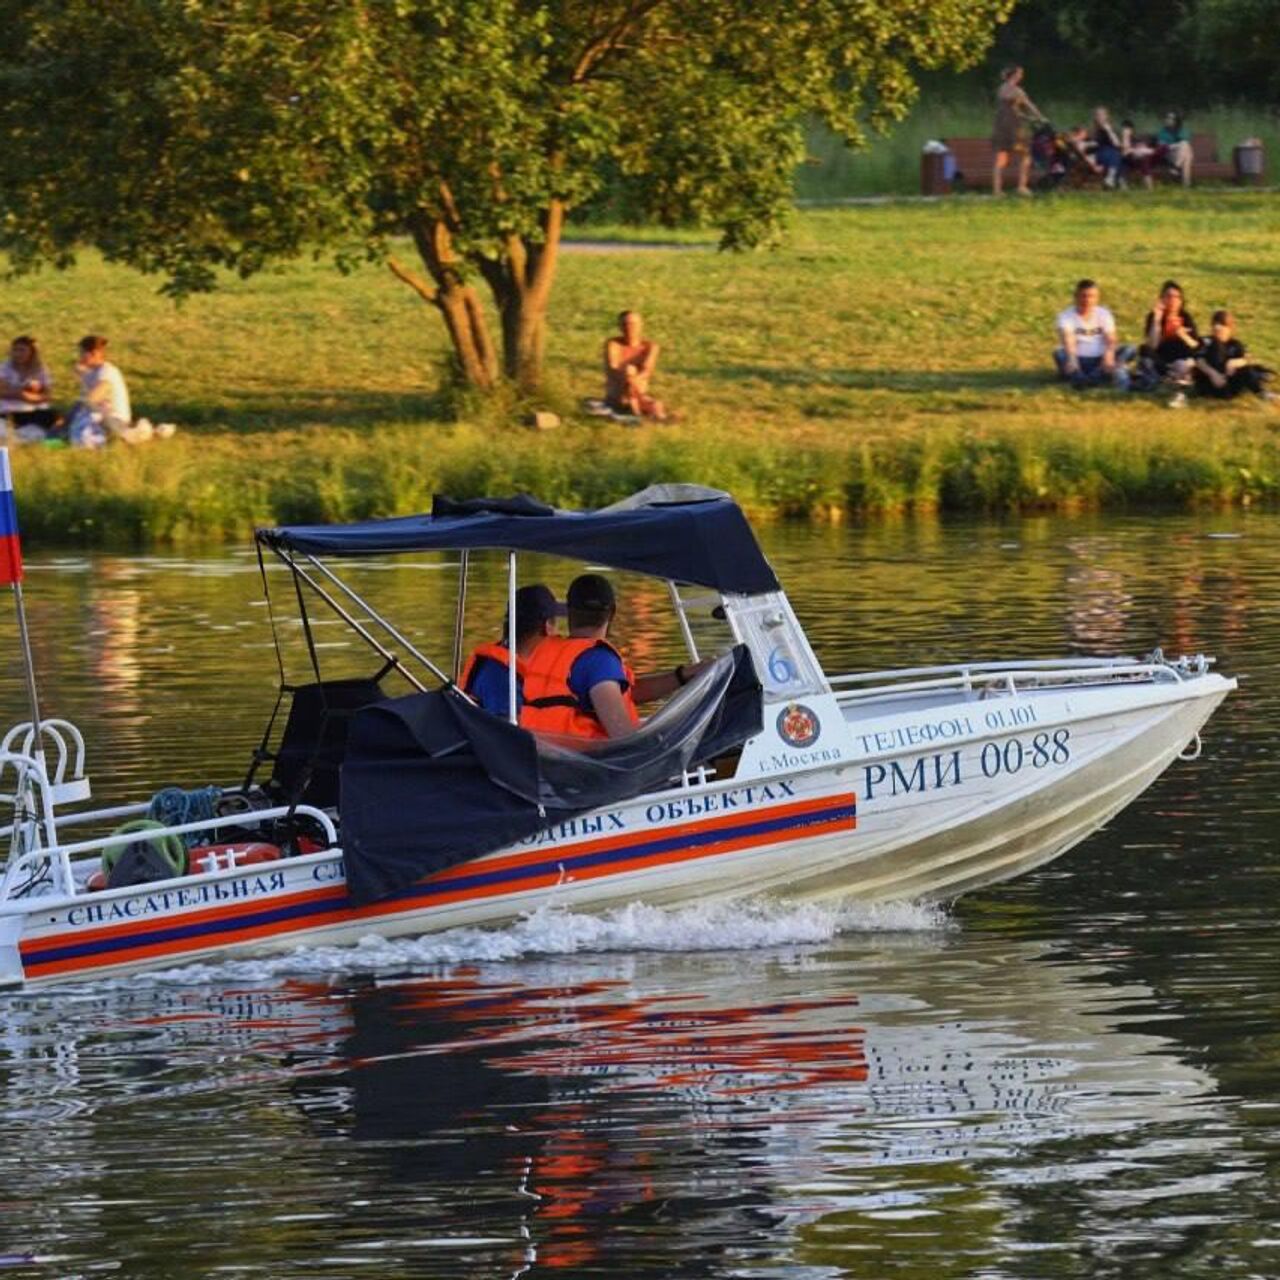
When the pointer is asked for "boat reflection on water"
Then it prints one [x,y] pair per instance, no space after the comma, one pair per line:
[904,1097]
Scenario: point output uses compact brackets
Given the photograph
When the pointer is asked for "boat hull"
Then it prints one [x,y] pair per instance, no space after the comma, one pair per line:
[917,807]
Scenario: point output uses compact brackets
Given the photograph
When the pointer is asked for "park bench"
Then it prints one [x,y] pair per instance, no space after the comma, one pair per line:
[975,162]
[1206,167]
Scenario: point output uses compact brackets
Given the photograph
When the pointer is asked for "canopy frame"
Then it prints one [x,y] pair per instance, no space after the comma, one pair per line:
[672,533]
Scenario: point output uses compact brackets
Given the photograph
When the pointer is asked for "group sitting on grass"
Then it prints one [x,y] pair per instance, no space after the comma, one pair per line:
[1172,355]
[101,413]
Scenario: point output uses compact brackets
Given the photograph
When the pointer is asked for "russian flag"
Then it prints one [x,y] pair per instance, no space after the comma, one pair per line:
[10,546]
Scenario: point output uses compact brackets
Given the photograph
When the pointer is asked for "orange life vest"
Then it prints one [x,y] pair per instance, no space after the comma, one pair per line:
[550,705]
[494,653]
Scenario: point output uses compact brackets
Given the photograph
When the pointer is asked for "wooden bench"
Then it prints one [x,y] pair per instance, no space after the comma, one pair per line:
[975,163]
[1205,165]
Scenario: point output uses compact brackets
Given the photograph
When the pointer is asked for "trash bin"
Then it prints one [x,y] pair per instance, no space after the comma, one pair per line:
[937,168]
[1249,161]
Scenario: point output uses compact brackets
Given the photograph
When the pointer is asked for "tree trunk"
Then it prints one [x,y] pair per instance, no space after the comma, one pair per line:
[455,299]
[472,345]
[521,283]
[524,337]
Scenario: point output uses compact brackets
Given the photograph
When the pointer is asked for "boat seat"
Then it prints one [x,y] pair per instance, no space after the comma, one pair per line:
[314,743]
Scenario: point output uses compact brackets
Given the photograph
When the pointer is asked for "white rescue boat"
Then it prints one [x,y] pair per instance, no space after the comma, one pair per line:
[403,815]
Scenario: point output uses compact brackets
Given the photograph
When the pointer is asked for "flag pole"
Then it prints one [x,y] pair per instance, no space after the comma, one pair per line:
[11,574]
[33,695]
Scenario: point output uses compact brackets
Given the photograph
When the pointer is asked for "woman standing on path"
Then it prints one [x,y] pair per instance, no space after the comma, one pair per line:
[1009,137]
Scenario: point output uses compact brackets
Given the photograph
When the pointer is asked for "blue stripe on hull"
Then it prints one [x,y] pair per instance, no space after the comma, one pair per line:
[424,892]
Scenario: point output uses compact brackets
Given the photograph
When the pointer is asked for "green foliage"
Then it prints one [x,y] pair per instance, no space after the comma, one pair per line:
[188,137]
[1182,54]
[201,490]
[1242,41]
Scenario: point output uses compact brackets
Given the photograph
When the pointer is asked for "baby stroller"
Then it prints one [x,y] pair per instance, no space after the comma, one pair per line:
[1058,159]
[1048,157]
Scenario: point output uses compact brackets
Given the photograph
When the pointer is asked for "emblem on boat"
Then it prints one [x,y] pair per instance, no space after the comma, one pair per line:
[798,725]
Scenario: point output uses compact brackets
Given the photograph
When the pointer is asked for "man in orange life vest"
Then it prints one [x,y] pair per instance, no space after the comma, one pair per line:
[582,685]
[486,674]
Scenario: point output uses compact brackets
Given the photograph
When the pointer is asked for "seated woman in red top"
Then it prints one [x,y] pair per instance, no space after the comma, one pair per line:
[1170,340]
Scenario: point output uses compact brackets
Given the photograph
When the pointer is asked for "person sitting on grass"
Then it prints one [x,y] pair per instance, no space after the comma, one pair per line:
[1088,355]
[629,363]
[103,410]
[25,388]
[1222,370]
[1169,341]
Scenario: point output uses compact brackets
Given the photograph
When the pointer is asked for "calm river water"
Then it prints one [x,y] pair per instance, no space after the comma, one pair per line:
[1075,1075]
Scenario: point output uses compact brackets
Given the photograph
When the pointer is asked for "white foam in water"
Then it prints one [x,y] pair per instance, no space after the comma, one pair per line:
[552,931]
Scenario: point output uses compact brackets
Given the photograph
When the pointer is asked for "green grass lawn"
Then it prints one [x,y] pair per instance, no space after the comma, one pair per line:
[885,358]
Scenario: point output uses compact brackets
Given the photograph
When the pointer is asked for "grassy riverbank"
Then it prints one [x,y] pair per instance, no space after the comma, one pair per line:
[886,359]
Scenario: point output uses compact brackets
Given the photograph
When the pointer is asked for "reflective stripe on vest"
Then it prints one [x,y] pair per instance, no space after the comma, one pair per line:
[550,705]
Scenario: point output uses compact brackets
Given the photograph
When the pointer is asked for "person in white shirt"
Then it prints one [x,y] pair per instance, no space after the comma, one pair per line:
[1088,354]
[103,410]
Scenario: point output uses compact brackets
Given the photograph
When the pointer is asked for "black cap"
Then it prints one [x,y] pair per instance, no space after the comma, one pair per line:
[591,593]
[535,605]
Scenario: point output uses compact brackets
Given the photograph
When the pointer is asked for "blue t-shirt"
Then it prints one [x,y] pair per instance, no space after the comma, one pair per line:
[594,667]
[490,687]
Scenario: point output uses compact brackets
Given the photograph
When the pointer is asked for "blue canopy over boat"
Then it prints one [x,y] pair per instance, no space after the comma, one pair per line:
[681,532]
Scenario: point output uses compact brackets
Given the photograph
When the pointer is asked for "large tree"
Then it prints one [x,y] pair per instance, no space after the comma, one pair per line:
[188,136]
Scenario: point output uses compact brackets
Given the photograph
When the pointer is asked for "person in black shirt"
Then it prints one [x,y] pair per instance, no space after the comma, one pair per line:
[1222,369]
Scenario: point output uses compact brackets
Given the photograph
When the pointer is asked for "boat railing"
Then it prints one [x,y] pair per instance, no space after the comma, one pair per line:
[1009,679]
[58,859]
[32,801]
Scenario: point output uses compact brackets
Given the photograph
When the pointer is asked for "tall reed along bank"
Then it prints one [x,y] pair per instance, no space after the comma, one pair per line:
[884,359]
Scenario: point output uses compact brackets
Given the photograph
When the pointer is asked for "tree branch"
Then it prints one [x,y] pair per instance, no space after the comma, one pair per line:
[415,282]
[542,259]
[607,41]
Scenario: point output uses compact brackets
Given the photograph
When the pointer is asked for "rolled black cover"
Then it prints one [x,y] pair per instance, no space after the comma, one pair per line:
[430,780]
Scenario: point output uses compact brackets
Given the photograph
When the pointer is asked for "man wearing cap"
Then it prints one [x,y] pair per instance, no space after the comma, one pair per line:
[486,674]
[581,685]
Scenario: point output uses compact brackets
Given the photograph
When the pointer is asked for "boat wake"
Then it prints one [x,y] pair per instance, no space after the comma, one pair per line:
[738,926]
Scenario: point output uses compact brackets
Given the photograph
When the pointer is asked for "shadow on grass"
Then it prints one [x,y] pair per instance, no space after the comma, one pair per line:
[247,413]
[961,380]
[1236,269]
